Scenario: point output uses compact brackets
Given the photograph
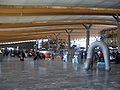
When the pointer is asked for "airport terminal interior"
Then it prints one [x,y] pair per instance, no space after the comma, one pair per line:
[59,44]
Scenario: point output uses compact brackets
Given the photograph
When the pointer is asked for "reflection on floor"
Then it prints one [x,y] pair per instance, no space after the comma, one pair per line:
[55,75]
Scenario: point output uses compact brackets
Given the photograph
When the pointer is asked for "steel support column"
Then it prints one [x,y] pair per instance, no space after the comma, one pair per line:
[117,18]
[57,42]
[48,37]
[42,43]
[69,43]
[87,27]
[36,46]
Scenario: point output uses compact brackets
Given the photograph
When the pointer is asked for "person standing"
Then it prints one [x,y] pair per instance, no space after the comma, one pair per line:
[22,55]
[117,58]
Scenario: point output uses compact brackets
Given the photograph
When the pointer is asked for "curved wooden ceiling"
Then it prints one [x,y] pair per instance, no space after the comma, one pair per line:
[13,32]
[18,35]
[37,36]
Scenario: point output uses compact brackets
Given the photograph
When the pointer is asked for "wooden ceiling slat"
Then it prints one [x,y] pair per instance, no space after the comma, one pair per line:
[41,35]
[54,23]
[46,33]
[54,10]
[33,38]
[79,28]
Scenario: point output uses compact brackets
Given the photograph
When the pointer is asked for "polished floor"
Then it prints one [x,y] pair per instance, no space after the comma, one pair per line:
[55,75]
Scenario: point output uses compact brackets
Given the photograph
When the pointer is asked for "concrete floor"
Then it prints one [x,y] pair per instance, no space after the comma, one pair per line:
[55,75]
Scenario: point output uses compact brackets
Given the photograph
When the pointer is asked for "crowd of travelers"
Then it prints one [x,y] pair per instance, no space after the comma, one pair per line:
[114,56]
[22,53]
[97,56]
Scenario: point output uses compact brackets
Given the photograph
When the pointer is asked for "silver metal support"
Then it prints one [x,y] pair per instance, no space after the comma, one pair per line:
[87,27]
[105,50]
[117,18]
[69,43]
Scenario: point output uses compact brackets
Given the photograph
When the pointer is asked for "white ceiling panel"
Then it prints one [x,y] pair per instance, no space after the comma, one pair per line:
[39,2]
[8,19]
[110,3]
[12,2]
[89,2]
[67,2]
[43,18]
[26,19]
[50,18]
[97,3]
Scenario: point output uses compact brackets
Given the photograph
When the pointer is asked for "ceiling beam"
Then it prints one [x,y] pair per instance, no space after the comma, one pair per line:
[33,37]
[48,29]
[42,35]
[9,10]
[46,33]
[54,23]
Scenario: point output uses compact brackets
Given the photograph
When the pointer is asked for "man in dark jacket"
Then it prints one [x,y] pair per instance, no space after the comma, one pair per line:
[22,55]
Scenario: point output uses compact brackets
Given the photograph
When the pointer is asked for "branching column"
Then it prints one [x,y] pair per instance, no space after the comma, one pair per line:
[42,43]
[117,18]
[48,37]
[57,42]
[87,27]
[69,43]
